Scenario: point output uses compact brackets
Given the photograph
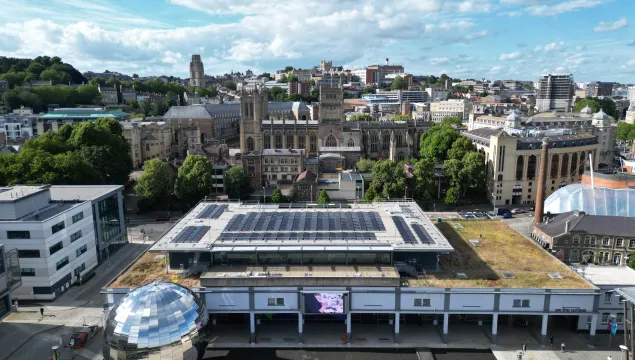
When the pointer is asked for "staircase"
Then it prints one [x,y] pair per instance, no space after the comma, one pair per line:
[406,268]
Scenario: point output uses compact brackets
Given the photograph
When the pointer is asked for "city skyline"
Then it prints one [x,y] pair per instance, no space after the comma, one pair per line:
[517,39]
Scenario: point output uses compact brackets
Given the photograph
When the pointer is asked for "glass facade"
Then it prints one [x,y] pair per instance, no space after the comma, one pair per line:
[109,220]
[593,201]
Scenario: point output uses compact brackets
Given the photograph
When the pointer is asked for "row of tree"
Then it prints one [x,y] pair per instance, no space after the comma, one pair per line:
[39,97]
[279,94]
[596,104]
[625,131]
[18,71]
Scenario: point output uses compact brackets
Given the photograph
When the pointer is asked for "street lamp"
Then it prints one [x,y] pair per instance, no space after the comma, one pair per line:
[405,193]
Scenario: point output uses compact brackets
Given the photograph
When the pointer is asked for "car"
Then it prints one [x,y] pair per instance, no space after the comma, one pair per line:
[501,211]
[162,218]
[518,211]
[506,215]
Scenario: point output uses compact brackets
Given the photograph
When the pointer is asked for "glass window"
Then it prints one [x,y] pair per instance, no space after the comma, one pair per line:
[18,234]
[592,240]
[521,303]
[78,217]
[605,318]
[109,221]
[620,318]
[76,236]
[607,297]
[27,271]
[25,254]
[631,243]
[81,250]
[60,264]
[576,239]
[55,248]
[57,227]
[619,242]
[606,241]
[422,302]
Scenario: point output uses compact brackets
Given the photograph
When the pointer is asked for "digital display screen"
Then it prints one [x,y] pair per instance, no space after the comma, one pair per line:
[324,303]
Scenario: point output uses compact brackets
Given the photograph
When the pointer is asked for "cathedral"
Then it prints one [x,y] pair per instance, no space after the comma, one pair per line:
[321,132]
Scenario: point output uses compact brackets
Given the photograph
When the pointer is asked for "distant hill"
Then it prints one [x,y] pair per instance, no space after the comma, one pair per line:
[17,71]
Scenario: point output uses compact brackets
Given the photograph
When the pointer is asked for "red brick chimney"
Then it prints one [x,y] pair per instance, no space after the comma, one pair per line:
[542,182]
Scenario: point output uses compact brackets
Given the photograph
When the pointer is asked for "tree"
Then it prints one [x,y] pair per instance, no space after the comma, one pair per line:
[401,117]
[460,147]
[288,68]
[389,179]
[113,82]
[194,180]
[364,165]
[276,197]
[424,176]
[237,183]
[437,141]
[87,95]
[361,117]
[452,120]
[154,185]
[292,78]
[97,81]
[597,104]
[146,107]
[277,93]
[368,90]
[451,196]
[212,91]
[625,131]
[399,83]
[323,198]
[230,85]
[135,76]
[283,79]
[202,92]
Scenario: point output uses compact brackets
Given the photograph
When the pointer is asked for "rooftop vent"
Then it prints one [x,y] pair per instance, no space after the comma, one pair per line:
[476,243]
[555,276]
[461,275]
[508,275]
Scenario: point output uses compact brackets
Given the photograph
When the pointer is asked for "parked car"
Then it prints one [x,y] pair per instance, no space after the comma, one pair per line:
[162,218]
[501,211]
[506,215]
[518,211]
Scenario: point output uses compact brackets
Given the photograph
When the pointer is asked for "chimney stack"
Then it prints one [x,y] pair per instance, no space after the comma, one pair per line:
[567,226]
[542,181]
[386,61]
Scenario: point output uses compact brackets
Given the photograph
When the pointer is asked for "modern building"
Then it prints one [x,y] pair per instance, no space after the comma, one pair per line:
[197,72]
[148,140]
[55,119]
[599,88]
[19,126]
[298,87]
[325,275]
[10,278]
[513,162]
[399,96]
[342,186]
[439,110]
[555,93]
[437,94]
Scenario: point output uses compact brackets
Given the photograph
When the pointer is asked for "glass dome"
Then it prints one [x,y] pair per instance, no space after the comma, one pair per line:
[598,201]
[159,320]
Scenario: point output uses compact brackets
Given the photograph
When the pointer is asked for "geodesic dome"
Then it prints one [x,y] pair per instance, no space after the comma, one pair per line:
[593,201]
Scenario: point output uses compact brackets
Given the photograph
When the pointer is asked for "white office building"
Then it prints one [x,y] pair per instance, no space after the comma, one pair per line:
[454,107]
[19,125]
[437,94]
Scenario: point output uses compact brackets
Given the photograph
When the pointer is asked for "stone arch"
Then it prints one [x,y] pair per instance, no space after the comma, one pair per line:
[290,143]
[303,117]
[520,167]
[267,140]
[554,166]
[330,141]
[401,156]
[250,144]
[565,166]
[277,140]
[351,143]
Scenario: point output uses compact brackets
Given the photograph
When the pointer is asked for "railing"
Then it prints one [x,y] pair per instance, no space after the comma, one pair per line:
[403,267]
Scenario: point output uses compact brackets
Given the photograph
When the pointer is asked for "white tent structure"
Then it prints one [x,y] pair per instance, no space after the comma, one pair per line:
[593,201]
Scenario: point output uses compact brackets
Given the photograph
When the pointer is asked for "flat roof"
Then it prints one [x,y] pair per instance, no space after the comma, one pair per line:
[13,193]
[82,192]
[607,275]
[380,226]
[492,255]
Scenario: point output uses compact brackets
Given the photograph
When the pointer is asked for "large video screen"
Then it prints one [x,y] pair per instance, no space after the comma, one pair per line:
[324,303]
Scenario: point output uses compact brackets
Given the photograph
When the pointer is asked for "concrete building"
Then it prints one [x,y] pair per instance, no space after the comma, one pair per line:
[298,87]
[439,110]
[10,278]
[127,94]
[19,126]
[399,96]
[197,72]
[55,233]
[148,140]
[555,92]
[599,88]
[55,119]
[327,274]
[109,95]
[512,162]
[342,186]
[437,94]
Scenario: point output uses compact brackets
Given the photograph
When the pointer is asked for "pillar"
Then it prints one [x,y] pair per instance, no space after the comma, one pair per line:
[542,182]
[300,326]
[396,328]
[494,328]
[348,325]
[252,327]
[543,330]
[594,322]
[446,321]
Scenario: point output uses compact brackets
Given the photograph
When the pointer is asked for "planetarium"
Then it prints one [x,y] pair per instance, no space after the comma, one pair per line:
[159,320]
[593,201]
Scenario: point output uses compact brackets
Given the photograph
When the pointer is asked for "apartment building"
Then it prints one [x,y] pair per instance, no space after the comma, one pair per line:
[599,88]
[555,92]
[439,110]
[19,125]
[109,95]
[412,96]
[437,94]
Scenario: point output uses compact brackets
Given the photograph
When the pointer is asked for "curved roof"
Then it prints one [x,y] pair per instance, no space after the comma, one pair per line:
[513,116]
[601,115]
[587,110]
[593,201]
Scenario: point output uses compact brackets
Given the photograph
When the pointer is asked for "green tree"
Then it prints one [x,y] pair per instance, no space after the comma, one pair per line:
[368,90]
[361,117]
[424,176]
[14,78]
[323,198]
[452,120]
[276,197]
[212,91]
[154,185]
[146,107]
[596,104]
[97,81]
[288,68]
[283,79]
[292,78]
[364,165]
[113,82]
[88,95]
[133,104]
[194,180]
[451,196]
[401,117]
[625,131]
[201,92]
[460,147]
[437,141]
[35,69]
[230,85]
[389,179]
[277,93]
[399,83]
[237,183]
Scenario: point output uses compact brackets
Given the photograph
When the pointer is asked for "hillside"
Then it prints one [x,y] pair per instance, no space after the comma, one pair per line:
[17,71]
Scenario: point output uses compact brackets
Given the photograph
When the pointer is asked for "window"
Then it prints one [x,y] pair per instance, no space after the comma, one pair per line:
[27,271]
[631,243]
[250,144]
[351,143]
[605,318]
[26,254]
[60,264]
[78,217]
[55,248]
[330,141]
[78,270]
[606,241]
[57,227]
[18,235]
[275,302]
[290,143]
[619,242]
[587,239]
[278,140]
[620,318]
[521,303]
[592,240]
[607,298]
[76,236]
[576,239]
[422,302]
[81,250]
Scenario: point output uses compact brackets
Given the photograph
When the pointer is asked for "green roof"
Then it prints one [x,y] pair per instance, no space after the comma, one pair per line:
[83,113]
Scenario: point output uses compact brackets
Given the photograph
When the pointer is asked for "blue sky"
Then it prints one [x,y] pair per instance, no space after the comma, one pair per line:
[494,39]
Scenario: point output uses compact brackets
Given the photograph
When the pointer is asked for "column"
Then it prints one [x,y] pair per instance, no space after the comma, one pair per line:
[300,326]
[594,322]
[396,328]
[446,320]
[348,325]
[252,327]
[494,328]
[543,330]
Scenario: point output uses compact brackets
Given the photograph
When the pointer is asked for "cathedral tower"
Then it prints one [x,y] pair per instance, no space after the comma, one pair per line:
[197,73]
[254,107]
[331,116]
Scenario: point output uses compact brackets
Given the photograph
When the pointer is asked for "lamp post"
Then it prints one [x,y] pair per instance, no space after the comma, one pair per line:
[405,193]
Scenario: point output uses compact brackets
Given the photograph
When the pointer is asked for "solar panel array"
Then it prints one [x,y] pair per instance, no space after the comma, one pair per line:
[306,221]
[213,211]
[297,236]
[404,230]
[423,235]
[191,234]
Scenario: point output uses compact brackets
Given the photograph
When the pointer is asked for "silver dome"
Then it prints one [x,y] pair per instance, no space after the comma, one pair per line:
[158,320]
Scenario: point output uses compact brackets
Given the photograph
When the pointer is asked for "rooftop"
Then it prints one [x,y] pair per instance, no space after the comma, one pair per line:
[13,193]
[501,252]
[608,275]
[82,192]
[83,113]
[581,223]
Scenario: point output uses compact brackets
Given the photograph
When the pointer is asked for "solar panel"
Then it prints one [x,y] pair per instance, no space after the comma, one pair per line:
[212,211]
[404,230]
[297,236]
[191,234]
[206,211]
[302,221]
[423,235]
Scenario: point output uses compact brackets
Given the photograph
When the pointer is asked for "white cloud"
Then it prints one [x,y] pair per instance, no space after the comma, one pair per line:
[511,13]
[630,63]
[496,69]
[562,7]
[523,2]
[554,46]
[610,26]
[510,56]
[439,61]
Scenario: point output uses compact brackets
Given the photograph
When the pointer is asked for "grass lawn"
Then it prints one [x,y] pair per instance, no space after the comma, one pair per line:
[148,269]
[503,249]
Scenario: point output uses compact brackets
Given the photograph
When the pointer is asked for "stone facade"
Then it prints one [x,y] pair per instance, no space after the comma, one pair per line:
[148,140]
[109,95]
[197,72]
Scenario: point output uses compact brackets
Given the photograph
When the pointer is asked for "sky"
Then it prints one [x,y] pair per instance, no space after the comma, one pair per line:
[493,39]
